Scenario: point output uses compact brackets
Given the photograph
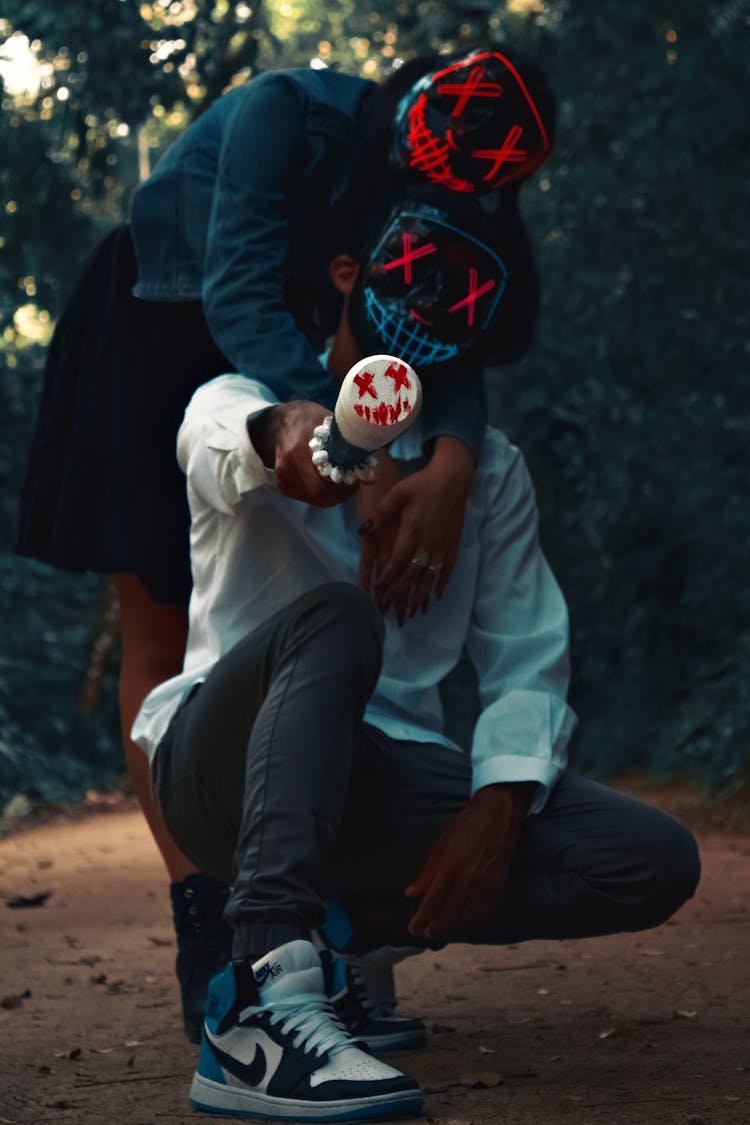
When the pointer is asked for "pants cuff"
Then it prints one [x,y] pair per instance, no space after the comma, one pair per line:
[255,941]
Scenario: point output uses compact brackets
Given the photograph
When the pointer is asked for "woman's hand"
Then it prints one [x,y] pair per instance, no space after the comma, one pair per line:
[410,541]
[377,544]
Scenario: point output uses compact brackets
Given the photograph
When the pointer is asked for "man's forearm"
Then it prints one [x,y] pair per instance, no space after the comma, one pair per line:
[262,430]
[521,794]
[281,438]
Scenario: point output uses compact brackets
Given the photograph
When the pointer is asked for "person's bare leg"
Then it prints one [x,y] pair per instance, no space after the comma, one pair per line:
[153,645]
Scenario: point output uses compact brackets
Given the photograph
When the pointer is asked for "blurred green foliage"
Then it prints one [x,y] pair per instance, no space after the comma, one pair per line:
[633,407]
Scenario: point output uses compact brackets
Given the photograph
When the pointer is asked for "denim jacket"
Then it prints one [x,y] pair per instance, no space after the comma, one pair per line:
[240,213]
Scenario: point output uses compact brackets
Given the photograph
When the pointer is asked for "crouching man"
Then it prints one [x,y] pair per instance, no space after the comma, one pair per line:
[300,755]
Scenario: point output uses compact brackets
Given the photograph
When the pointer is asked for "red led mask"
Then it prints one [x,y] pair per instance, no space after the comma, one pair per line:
[471,127]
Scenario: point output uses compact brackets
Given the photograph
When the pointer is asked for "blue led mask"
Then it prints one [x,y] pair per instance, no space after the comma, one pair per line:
[428,290]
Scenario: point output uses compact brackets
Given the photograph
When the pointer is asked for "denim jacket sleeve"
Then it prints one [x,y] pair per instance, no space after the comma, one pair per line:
[262,157]
[454,404]
[261,163]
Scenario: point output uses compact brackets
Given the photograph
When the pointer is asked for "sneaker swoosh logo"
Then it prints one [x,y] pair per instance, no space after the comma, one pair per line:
[251,1073]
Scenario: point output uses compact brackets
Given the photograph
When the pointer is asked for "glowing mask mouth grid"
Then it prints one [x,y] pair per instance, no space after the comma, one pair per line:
[472,126]
[409,341]
[430,288]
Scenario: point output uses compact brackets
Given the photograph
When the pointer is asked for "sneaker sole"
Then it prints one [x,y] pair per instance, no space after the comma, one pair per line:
[232,1101]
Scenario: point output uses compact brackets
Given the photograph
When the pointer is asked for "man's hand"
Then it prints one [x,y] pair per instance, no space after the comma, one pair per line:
[463,877]
[280,436]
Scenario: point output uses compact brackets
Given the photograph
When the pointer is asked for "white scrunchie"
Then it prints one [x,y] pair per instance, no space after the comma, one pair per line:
[322,462]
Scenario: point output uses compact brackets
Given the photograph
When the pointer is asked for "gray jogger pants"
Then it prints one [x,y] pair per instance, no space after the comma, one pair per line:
[269,779]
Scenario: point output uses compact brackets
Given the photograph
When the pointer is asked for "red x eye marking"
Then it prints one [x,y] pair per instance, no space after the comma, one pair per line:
[474,87]
[473,296]
[364,382]
[409,256]
[508,154]
[397,372]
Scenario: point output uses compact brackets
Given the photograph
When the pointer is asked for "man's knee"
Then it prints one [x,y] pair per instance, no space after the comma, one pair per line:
[675,869]
[349,612]
[641,871]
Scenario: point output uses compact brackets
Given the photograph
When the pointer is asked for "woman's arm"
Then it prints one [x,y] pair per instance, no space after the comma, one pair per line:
[412,526]
[263,153]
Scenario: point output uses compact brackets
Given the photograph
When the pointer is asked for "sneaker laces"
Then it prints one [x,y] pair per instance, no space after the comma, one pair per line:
[314,1019]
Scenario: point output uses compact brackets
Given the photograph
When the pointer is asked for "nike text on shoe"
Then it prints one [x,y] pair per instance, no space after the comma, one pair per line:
[363,994]
[273,1048]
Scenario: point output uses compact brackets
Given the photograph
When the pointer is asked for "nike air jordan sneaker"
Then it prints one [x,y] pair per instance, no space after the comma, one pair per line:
[272,1047]
[363,994]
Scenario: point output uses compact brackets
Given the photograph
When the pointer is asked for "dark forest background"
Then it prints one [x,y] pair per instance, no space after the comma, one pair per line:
[633,406]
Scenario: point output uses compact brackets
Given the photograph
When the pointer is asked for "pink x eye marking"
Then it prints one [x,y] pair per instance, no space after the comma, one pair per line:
[409,256]
[364,382]
[473,296]
[474,87]
[508,154]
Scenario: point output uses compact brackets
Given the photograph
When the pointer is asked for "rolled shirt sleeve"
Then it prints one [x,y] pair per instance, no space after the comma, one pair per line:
[518,642]
[213,446]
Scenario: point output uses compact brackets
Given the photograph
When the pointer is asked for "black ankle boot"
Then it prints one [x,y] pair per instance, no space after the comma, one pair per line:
[204,943]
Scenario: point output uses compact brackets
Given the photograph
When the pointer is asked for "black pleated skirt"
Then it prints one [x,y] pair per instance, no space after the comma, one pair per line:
[103,491]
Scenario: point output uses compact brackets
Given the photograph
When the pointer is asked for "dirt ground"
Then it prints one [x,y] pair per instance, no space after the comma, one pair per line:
[647,1028]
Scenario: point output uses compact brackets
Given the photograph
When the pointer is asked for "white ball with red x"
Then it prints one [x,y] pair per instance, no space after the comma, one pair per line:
[379,397]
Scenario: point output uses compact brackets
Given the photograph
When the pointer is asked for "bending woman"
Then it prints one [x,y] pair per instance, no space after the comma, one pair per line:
[223,268]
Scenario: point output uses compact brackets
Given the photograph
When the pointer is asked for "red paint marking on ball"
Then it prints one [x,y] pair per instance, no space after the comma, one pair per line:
[385,414]
[398,372]
[364,383]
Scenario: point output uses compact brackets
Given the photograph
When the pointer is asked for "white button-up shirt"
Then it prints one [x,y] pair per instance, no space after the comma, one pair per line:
[254,551]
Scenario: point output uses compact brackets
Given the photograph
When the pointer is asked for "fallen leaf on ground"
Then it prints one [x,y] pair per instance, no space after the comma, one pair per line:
[622,1031]
[485,1080]
[481,1080]
[15,1001]
[73,1053]
[25,902]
